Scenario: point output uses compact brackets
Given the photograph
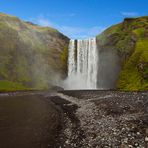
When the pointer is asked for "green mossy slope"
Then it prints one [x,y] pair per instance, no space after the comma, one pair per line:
[30,55]
[11,86]
[130,39]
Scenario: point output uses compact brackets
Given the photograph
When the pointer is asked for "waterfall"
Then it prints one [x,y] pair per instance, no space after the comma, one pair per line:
[82,64]
[71,58]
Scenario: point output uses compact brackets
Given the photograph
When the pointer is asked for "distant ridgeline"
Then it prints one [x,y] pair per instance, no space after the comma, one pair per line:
[34,57]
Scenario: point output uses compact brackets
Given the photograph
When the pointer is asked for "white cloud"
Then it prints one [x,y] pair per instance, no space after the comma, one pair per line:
[130,14]
[70,31]
[44,22]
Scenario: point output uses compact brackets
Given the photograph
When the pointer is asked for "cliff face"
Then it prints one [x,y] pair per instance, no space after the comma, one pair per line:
[30,55]
[125,47]
[36,57]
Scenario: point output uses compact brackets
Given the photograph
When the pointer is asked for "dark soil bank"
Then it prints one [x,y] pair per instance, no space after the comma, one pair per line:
[74,119]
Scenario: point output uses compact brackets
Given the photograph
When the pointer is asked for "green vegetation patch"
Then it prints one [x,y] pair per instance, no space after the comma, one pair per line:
[11,86]
[134,75]
[64,58]
[139,32]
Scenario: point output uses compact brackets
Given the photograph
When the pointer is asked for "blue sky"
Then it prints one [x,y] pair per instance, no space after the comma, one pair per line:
[75,18]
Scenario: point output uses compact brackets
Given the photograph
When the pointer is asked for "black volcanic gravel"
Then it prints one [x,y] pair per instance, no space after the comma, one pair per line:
[106,119]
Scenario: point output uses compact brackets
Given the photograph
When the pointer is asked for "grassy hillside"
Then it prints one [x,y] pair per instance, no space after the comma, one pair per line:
[31,56]
[130,39]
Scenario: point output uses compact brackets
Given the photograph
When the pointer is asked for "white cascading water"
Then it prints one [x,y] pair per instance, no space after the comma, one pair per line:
[82,64]
[71,58]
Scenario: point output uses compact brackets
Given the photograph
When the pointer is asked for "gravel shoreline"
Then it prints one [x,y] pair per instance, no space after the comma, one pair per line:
[104,119]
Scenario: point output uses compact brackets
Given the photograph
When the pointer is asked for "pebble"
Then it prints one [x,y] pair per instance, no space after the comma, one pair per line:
[146,139]
[67,142]
[126,140]
[138,133]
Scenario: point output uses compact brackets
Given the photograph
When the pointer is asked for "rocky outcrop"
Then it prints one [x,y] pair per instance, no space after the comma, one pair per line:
[31,55]
[124,55]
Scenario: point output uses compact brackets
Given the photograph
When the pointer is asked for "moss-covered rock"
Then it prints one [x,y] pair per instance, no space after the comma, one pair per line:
[130,40]
[134,75]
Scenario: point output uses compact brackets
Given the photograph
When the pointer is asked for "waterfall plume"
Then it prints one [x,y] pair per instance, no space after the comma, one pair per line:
[82,64]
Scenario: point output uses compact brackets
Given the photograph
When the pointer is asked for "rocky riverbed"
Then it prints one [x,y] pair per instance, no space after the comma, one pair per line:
[103,119]
[74,119]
